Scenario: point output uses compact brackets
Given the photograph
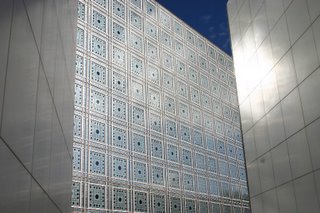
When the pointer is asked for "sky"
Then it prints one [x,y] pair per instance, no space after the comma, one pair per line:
[208,17]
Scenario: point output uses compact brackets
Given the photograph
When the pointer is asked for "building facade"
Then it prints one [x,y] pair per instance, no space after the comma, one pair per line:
[37,40]
[156,123]
[276,47]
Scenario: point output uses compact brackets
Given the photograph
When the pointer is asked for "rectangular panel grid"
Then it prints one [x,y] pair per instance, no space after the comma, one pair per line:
[154,121]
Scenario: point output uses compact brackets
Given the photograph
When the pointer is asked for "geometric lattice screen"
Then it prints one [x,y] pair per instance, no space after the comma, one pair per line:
[156,125]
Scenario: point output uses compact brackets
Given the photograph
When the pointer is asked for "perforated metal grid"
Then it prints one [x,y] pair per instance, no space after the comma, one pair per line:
[156,126]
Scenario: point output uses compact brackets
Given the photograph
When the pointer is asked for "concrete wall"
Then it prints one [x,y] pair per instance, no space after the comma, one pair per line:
[276,47]
[36,104]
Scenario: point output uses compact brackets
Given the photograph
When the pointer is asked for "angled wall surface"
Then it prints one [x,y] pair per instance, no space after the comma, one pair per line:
[37,40]
[157,124]
[276,48]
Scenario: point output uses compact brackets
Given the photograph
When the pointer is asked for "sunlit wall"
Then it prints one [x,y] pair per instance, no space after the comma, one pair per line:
[276,49]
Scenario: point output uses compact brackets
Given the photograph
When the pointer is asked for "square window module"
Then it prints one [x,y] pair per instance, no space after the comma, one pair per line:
[76,160]
[96,196]
[186,157]
[119,82]
[182,89]
[190,37]
[219,126]
[213,70]
[223,168]
[224,94]
[155,122]
[99,21]
[239,153]
[227,113]
[80,37]
[119,137]
[196,116]
[157,175]
[165,20]
[181,68]
[152,52]
[140,201]
[203,63]
[190,206]
[173,178]
[136,3]
[237,135]
[156,148]
[204,81]
[137,116]
[197,138]
[98,46]
[75,200]
[221,59]
[214,190]
[203,207]
[212,165]
[207,120]
[167,81]
[172,154]
[225,192]
[200,161]
[232,82]
[233,170]
[228,131]
[223,77]
[102,3]
[120,199]
[188,182]
[81,11]
[206,103]
[211,53]
[119,167]
[178,29]
[139,144]
[202,184]
[169,104]
[167,60]
[153,75]
[154,98]
[242,174]
[152,30]
[136,20]
[171,128]
[137,91]
[217,107]
[159,204]
[97,131]
[195,96]
[119,57]
[166,39]
[118,9]
[191,56]
[201,45]
[151,10]
[79,65]
[175,205]
[210,143]
[183,111]
[97,163]
[118,32]
[137,67]
[185,133]
[98,73]
[221,147]
[235,117]
[215,88]
[78,94]
[97,101]
[193,75]
[119,109]
[140,172]
[136,42]
[179,48]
